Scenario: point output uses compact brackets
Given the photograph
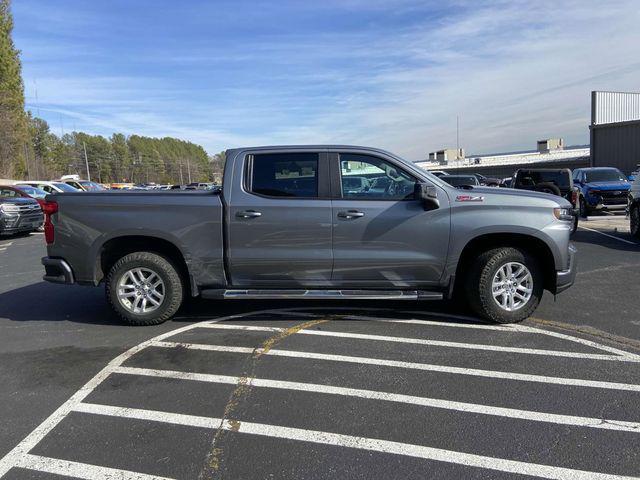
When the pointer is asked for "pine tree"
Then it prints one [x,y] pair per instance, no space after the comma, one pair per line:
[13,122]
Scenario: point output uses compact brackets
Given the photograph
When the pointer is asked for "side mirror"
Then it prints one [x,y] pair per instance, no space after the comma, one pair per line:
[428,195]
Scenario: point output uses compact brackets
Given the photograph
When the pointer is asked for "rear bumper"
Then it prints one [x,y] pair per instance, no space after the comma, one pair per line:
[566,278]
[57,271]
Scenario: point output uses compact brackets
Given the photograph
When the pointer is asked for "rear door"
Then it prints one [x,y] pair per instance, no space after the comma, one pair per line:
[279,220]
[382,236]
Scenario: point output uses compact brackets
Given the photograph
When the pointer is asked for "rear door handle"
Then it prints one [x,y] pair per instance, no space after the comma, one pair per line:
[351,214]
[248,214]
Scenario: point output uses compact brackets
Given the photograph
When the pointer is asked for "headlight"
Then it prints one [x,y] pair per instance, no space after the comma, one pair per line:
[563,214]
[8,208]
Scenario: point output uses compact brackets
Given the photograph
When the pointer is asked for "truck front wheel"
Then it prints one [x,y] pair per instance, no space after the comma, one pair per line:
[504,285]
[144,288]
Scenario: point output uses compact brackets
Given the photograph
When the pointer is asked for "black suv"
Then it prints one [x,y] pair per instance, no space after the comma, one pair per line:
[556,181]
[18,214]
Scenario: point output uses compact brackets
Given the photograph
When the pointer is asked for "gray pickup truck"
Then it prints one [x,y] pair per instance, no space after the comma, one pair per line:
[291,223]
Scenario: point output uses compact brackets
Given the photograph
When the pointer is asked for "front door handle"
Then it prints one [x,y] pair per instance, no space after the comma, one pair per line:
[248,214]
[351,214]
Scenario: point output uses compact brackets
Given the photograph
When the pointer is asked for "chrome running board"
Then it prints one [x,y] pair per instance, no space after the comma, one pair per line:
[274,294]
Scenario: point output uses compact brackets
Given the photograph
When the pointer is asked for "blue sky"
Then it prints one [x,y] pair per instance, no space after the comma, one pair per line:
[391,74]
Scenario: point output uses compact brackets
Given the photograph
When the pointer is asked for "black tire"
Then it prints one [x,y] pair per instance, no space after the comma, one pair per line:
[584,209]
[634,220]
[548,188]
[479,284]
[168,273]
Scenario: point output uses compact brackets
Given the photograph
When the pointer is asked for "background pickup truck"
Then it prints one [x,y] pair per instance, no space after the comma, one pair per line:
[555,181]
[288,224]
[601,188]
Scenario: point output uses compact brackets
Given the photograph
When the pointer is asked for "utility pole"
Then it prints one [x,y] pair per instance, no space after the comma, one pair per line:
[86,161]
[189,170]
[458,133]
[181,179]
[26,160]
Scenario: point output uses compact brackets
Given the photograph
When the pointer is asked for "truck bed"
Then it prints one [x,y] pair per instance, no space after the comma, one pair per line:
[88,222]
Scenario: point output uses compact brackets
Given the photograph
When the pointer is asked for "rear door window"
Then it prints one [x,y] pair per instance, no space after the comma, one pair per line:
[290,175]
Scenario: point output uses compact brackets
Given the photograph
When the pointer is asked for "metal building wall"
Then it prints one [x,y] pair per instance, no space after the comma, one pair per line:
[615,130]
[616,145]
[614,107]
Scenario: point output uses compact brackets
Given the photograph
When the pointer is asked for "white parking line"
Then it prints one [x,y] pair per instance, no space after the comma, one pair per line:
[516,328]
[349,441]
[474,325]
[79,470]
[13,457]
[524,377]
[610,236]
[435,343]
[392,397]
[20,456]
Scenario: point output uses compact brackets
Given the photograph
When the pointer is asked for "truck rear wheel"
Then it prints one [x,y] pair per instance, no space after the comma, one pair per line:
[504,285]
[634,221]
[144,288]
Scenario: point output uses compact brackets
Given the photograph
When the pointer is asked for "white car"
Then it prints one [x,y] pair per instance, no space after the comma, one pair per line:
[49,187]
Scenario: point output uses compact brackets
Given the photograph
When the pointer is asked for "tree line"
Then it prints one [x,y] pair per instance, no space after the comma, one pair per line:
[118,158]
[29,150]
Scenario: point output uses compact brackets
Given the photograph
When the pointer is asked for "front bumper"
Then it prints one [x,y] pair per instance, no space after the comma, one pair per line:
[566,278]
[57,271]
[11,224]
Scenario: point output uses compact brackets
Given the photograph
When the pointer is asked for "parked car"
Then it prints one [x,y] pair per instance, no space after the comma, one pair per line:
[555,181]
[283,226]
[49,187]
[438,173]
[461,180]
[85,185]
[18,213]
[634,208]
[487,181]
[601,188]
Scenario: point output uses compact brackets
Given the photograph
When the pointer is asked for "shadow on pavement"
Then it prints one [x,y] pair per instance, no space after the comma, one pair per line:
[43,301]
[595,238]
[47,302]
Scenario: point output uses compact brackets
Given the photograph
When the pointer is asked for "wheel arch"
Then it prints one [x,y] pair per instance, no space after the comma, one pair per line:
[117,247]
[529,243]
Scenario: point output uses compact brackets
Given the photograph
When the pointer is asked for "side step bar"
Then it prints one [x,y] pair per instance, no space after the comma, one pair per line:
[322,294]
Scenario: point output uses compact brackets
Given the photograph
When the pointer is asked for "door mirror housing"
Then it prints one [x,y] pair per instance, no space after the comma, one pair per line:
[428,196]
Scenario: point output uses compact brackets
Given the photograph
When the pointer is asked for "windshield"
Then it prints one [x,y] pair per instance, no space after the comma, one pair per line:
[457,181]
[92,186]
[8,193]
[608,175]
[64,187]
[32,191]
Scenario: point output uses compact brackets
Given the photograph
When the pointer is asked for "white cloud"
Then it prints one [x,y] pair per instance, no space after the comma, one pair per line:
[513,71]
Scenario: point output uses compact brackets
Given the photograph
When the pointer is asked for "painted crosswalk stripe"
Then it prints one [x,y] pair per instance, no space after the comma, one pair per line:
[525,377]
[391,397]
[79,470]
[349,441]
[436,343]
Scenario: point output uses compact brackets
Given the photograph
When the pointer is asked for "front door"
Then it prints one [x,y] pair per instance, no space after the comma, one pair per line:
[280,221]
[382,236]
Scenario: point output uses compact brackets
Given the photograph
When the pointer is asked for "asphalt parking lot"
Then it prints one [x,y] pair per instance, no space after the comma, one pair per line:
[317,390]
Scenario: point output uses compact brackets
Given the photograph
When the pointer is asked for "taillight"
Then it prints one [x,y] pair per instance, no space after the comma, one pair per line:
[49,208]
